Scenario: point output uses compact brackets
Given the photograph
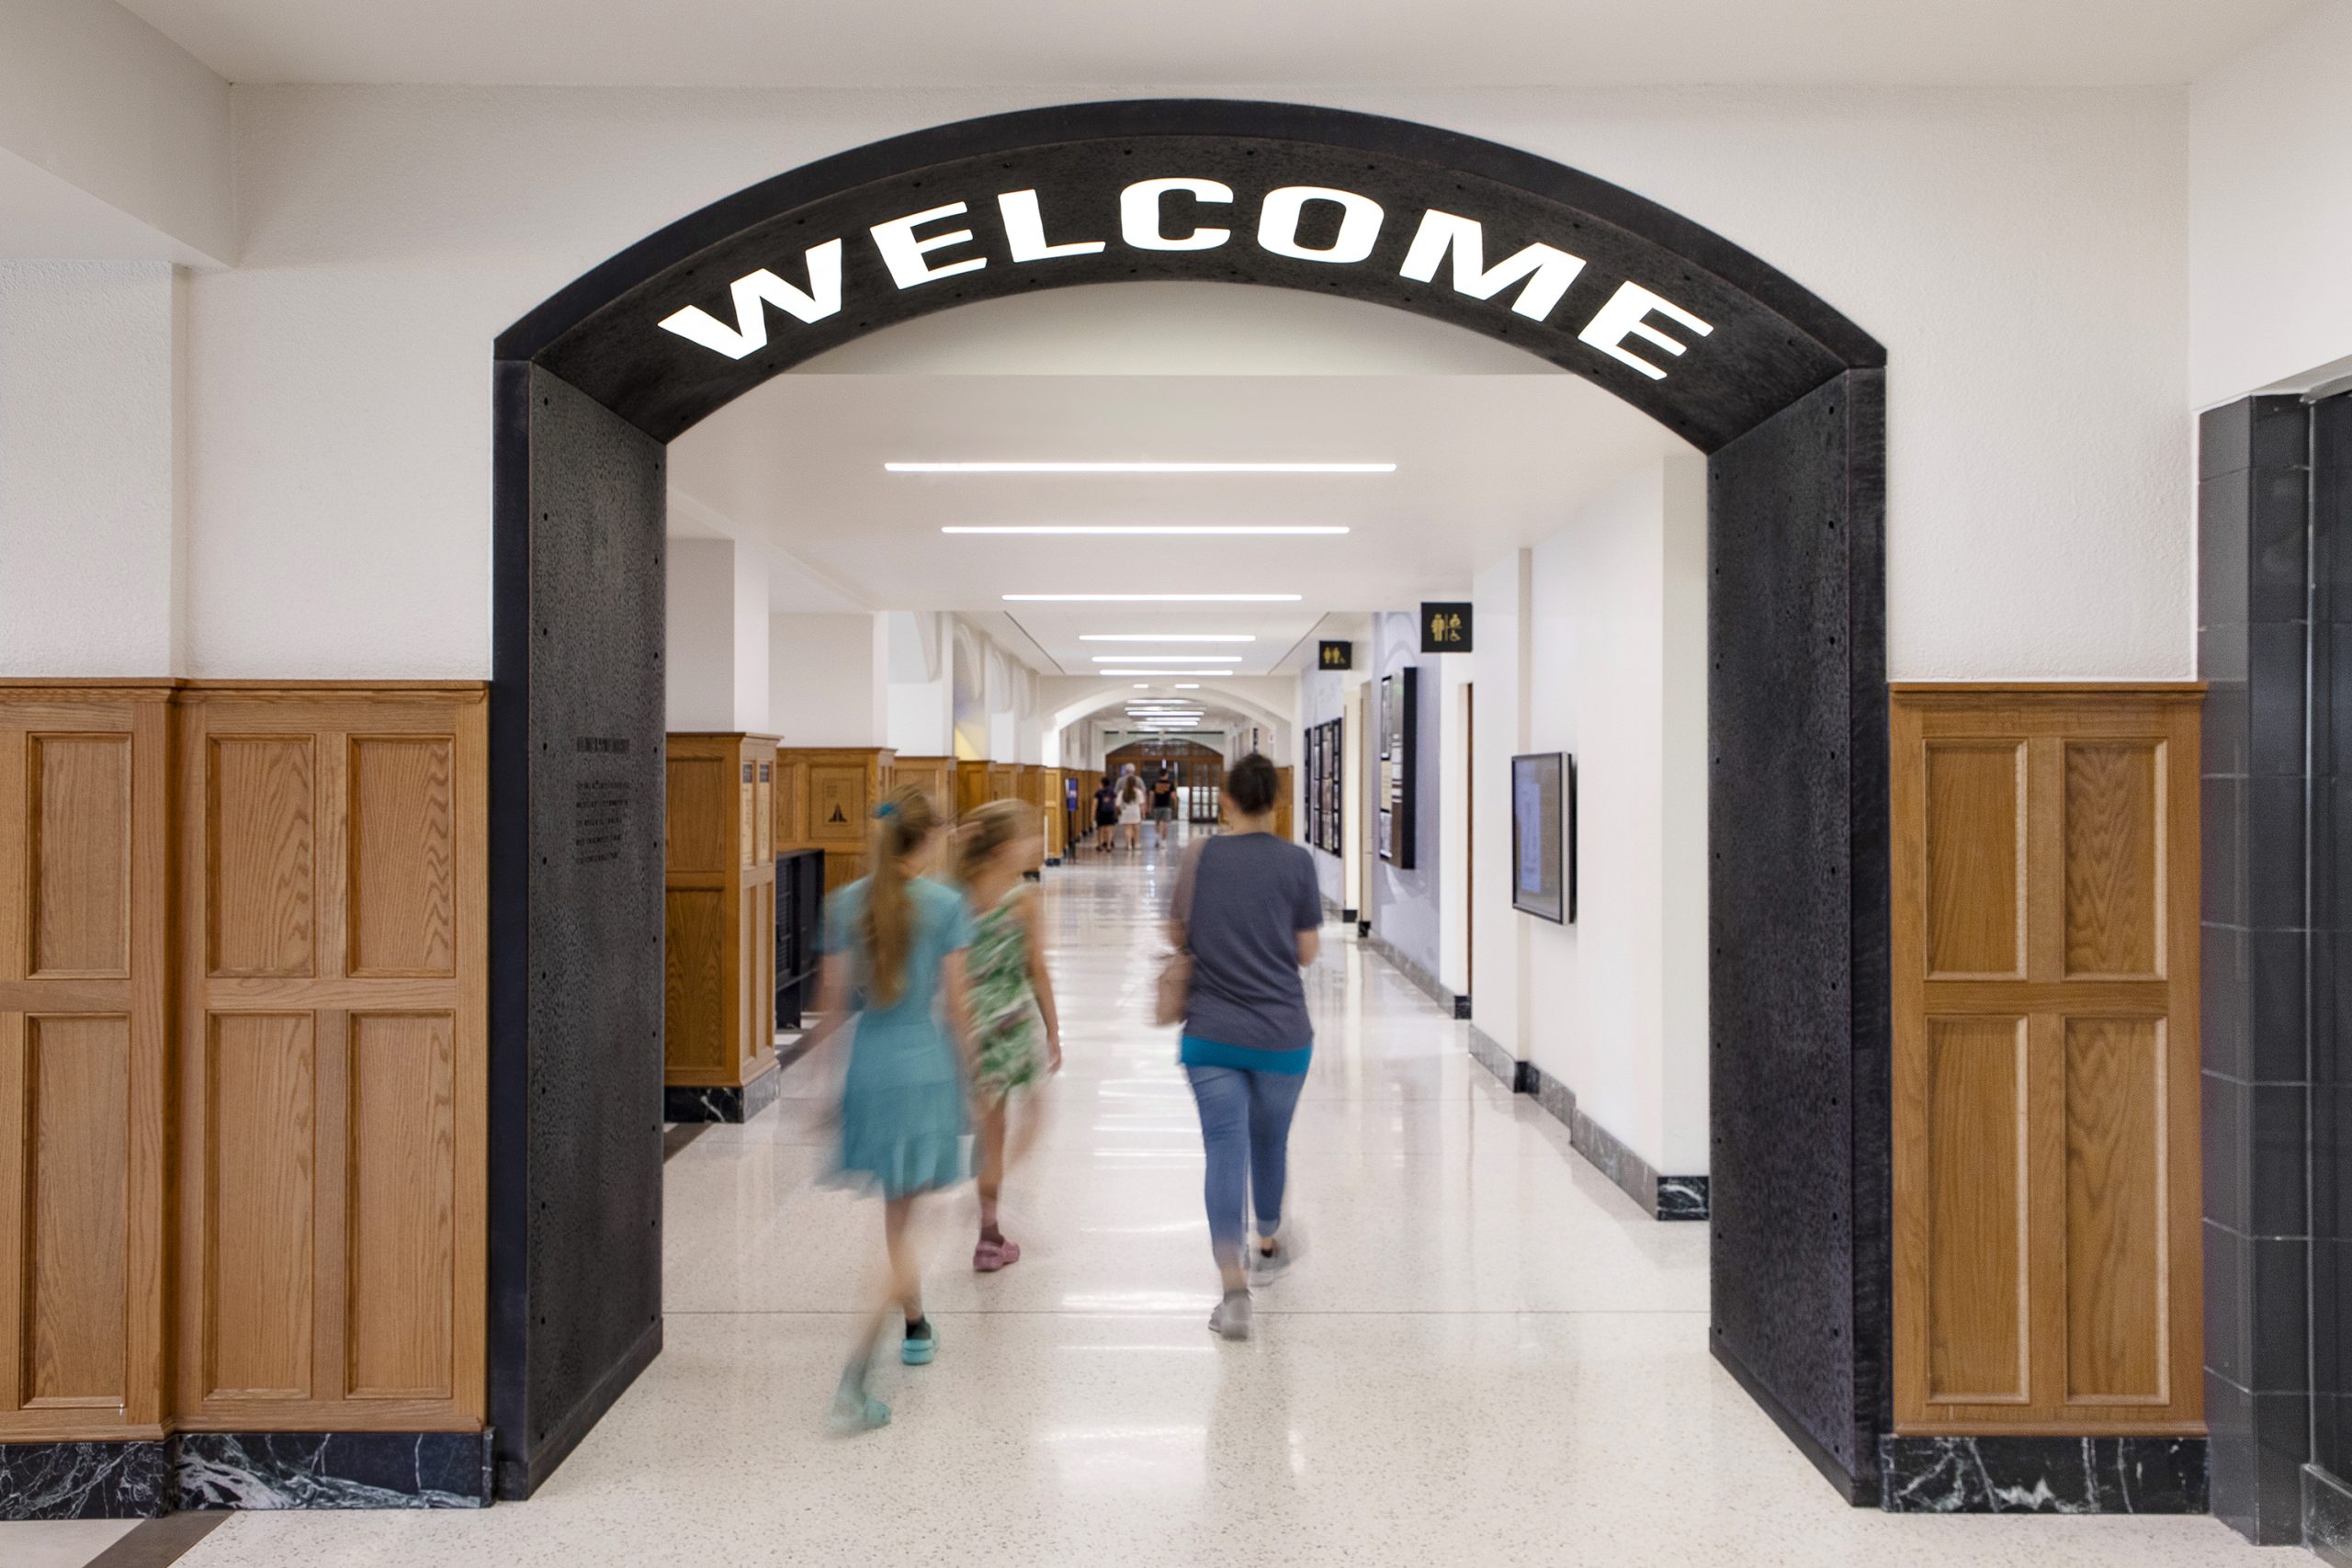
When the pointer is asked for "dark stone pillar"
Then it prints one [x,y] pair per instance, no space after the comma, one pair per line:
[2252,591]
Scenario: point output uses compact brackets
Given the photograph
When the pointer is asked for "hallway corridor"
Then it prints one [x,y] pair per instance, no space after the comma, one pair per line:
[1485,1355]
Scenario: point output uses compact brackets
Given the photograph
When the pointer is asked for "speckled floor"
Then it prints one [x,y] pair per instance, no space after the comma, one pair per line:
[1487,1356]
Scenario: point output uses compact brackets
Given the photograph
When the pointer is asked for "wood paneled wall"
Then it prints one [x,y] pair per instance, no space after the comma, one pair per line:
[830,805]
[935,776]
[973,786]
[2047,1253]
[718,911]
[242,955]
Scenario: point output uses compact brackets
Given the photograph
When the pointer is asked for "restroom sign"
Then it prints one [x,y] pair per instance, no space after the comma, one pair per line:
[1180,223]
[1335,656]
[1445,628]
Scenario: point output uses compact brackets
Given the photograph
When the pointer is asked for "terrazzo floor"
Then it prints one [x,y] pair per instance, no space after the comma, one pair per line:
[1487,1354]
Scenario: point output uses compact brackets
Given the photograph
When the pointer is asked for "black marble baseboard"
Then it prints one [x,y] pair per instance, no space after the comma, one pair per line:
[1451,1004]
[1489,1054]
[1363,928]
[2043,1475]
[1661,1197]
[2328,1517]
[691,1102]
[1347,914]
[189,1471]
[85,1480]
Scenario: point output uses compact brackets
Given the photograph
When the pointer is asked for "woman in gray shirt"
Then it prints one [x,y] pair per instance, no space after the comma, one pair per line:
[1248,909]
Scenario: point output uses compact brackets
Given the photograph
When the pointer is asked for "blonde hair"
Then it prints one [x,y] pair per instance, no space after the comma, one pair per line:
[903,823]
[988,829]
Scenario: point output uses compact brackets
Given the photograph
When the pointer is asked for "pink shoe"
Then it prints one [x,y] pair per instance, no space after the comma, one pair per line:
[991,1256]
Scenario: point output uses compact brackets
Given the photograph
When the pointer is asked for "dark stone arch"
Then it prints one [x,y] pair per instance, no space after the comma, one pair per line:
[1784,393]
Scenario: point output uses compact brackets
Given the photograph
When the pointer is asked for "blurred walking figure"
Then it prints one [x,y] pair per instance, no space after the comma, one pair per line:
[1164,802]
[1131,799]
[1248,910]
[895,943]
[1106,816]
[1016,1031]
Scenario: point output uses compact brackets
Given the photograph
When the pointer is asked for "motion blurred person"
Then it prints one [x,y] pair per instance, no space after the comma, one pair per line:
[1106,816]
[1248,910]
[1163,803]
[1016,1029]
[1131,800]
[895,945]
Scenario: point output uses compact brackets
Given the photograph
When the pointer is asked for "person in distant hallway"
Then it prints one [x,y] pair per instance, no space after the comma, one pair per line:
[895,943]
[1106,816]
[1016,1029]
[1164,802]
[1248,909]
[1131,802]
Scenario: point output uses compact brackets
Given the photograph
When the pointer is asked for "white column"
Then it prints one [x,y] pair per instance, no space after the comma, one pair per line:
[830,680]
[715,651]
[91,503]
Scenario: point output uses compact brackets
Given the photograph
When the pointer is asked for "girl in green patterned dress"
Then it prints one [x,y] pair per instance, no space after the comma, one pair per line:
[1016,1031]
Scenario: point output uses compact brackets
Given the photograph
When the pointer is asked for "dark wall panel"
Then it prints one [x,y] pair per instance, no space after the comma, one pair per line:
[577,735]
[1797,832]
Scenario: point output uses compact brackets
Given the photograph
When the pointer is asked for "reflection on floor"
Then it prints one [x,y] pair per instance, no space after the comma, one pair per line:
[1487,1355]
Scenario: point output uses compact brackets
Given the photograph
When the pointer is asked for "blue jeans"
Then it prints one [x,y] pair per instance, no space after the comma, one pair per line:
[1245,1125]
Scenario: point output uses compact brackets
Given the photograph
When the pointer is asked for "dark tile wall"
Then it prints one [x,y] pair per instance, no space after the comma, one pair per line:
[2252,642]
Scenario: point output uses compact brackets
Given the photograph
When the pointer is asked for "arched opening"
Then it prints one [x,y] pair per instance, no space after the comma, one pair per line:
[1783,394]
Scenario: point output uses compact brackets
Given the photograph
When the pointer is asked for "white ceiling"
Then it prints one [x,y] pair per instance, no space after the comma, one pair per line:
[1059,43]
[1484,463]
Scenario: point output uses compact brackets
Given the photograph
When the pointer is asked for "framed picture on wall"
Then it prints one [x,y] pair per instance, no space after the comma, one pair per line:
[1543,836]
[1398,722]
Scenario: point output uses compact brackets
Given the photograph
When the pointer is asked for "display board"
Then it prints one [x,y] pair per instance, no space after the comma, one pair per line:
[1325,812]
[1398,723]
[1543,836]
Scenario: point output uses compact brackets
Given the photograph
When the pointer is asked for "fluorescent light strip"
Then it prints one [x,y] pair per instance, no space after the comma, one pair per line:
[1167,636]
[1172,658]
[1188,686]
[1164,672]
[1137,529]
[1140,468]
[1152,598]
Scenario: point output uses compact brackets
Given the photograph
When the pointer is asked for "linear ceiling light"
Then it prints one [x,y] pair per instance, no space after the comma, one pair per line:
[1152,598]
[1188,686]
[1172,659]
[1167,636]
[1164,672]
[1140,467]
[1149,528]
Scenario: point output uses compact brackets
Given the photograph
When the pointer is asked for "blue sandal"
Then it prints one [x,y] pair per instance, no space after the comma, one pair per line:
[918,1349]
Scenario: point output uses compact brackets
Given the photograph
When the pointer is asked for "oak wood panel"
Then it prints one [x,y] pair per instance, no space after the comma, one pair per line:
[697,828]
[935,776]
[401,833]
[77,1199]
[1975,858]
[261,1092]
[79,856]
[390,1272]
[719,932]
[2114,910]
[260,795]
[2102,1166]
[2118,1248]
[696,984]
[83,1048]
[971,787]
[402,1201]
[1976,1191]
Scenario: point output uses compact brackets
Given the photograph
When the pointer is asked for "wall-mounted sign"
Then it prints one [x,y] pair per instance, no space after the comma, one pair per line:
[1543,836]
[1445,628]
[1335,656]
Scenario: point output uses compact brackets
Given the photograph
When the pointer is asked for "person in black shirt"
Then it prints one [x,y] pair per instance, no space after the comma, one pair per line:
[1164,802]
[1106,816]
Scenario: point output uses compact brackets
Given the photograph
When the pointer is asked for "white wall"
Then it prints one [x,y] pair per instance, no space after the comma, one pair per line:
[715,658]
[1609,665]
[830,680]
[2021,252]
[90,509]
[2270,210]
[921,697]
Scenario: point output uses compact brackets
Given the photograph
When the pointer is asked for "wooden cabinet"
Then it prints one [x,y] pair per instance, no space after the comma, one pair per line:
[834,792]
[972,787]
[718,911]
[2047,1272]
[935,776]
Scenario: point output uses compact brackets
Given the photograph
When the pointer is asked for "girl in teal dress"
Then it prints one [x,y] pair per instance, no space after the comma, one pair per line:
[894,945]
[1017,1034]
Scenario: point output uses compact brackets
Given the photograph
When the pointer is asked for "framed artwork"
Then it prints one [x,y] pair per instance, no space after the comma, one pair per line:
[1398,722]
[1542,836]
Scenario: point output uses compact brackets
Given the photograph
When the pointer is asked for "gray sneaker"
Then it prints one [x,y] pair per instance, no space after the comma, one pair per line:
[1231,1317]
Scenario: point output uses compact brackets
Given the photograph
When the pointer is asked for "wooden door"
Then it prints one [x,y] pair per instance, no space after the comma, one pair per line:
[2047,1273]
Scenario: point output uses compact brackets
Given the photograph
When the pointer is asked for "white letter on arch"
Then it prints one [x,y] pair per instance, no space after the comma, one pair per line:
[1024,230]
[1139,215]
[1548,271]
[903,254]
[1627,315]
[750,332]
[1359,226]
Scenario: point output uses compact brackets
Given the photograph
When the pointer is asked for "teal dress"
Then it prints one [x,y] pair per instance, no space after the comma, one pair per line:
[903,1098]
